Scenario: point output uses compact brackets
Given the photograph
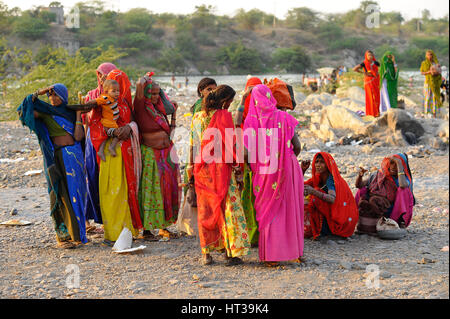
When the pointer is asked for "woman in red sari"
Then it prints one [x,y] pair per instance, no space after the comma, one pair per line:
[331,207]
[117,177]
[371,83]
[221,221]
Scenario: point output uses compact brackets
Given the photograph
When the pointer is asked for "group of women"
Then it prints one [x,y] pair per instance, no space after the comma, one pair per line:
[381,82]
[249,193]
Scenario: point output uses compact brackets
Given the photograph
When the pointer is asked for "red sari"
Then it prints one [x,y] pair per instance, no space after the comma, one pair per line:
[372,88]
[342,215]
[212,180]
[98,135]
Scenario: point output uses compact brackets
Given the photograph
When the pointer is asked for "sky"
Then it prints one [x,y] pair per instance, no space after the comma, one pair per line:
[409,9]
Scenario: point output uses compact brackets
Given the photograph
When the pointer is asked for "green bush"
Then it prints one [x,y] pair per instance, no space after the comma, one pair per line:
[293,59]
[240,59]
[29,27]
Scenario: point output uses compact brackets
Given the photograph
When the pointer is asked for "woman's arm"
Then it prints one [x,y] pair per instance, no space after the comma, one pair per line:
[402,181]
[329,197]
[296,144]
[78,133]
[241,107]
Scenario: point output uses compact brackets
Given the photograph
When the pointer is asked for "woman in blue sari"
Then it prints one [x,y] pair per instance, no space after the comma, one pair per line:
[59,132]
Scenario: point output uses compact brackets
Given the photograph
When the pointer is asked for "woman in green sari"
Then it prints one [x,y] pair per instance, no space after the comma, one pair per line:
[432,87]
[388,82]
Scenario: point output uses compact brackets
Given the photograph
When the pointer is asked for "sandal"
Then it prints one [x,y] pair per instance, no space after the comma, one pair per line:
[166,233]
[271,264]
[233,261]
[150,237]
[65,245]
[107,243]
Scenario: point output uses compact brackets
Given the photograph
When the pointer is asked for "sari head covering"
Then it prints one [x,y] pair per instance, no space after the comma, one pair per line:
[387,70]
[371,67]
[433,81]
[344,211]
[250,82]
[269,187]
[102,69]
[61,91]
[124,83]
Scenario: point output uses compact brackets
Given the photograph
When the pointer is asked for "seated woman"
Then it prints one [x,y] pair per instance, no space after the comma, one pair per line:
[331,209]
[59,131]
[387,192]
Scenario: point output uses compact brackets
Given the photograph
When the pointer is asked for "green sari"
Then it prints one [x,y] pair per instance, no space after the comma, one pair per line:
[387,72]
[248,200]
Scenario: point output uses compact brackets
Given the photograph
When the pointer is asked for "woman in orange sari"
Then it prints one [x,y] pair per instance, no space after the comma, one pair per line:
[331,209]
[371,83]
[221,221]
[117,177]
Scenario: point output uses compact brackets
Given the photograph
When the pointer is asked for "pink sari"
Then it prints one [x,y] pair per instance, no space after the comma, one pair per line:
[277,181]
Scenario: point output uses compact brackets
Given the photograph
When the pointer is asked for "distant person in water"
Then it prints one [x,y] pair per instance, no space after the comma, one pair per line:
[371,83]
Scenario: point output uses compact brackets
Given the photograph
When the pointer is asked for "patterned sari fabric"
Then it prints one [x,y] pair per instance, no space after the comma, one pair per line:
[372,88]
[277,178]
[342,215]
[64,169]
[159,194]
[92,205]
[383,197]
[248,200]
[432,87]
[126,164]
[221,219]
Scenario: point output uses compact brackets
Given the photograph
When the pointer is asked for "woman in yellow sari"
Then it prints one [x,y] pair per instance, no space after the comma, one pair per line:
[432,86]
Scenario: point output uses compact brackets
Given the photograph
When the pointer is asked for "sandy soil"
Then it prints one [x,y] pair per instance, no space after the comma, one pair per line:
[413,267]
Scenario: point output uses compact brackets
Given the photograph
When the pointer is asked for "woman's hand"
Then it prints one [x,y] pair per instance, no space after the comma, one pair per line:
[368,74]
[305,165]
[362,171]
[308,190]
[123,133]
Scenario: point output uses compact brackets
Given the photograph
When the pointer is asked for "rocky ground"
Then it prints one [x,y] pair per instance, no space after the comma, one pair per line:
[413,267]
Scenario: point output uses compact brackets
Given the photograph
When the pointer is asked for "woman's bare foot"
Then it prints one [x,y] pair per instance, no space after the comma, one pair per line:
[207,259]
[65,245]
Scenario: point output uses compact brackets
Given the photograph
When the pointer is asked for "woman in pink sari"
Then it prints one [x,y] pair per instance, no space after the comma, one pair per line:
[273,146]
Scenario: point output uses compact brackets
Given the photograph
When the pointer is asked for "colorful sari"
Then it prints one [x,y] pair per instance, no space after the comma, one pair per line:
[63,167]
[221,219]
[278,181]
[432,87]
[159,193]
[341,216]
[117,178]
[388,83]
[92,205]
[383,196]
[372,87]
[247,196]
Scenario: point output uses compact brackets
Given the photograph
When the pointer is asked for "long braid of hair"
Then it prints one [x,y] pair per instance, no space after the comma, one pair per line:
[217,98]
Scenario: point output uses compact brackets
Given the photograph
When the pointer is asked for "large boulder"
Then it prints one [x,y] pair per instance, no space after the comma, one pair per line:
[356,93]
[316,100]
[342,118]
[299,97]
[353,105]
[398,119]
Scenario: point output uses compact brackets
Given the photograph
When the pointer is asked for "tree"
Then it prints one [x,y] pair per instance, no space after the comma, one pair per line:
[202,17]
[171,60]
[293,59]
[301,18]
[137,20]
[249,20]
[239,58]
[29,27]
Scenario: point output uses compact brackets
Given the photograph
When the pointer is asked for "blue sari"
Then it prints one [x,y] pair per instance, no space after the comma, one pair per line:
[63,166]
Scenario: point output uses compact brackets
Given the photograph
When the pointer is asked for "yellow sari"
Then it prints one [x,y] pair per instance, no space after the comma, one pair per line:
[113,191]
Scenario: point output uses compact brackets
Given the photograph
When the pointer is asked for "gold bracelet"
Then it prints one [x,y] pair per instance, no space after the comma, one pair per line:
[78,122]
[401,173]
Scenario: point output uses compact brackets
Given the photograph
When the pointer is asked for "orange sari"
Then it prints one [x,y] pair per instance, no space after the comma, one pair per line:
[372,87]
